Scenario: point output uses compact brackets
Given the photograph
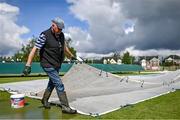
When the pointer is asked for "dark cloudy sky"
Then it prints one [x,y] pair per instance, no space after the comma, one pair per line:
[157,23]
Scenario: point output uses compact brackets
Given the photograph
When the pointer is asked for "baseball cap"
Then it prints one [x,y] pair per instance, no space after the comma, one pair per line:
[59,22]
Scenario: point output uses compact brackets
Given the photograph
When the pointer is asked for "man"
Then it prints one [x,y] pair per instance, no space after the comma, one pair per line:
[53,48]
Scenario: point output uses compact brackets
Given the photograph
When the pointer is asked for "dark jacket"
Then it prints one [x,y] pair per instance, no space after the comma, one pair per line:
[52,53]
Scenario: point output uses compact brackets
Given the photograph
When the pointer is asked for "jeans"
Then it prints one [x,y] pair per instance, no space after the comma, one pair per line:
[54,80]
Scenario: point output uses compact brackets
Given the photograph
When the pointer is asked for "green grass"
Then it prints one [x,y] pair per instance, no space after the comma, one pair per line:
[163,107]
[19,79]
[32,110]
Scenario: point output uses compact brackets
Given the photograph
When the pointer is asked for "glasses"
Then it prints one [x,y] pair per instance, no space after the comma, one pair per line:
[54,26]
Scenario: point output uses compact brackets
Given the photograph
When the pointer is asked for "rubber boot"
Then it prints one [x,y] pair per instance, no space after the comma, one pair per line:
[45,99]
[64,104]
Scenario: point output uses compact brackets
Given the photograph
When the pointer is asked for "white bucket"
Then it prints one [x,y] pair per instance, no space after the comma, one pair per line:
[17,101]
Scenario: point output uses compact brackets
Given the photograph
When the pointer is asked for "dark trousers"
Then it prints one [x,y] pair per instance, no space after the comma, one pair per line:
[54,80]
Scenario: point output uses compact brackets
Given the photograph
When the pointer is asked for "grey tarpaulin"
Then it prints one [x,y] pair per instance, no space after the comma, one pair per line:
[95,92]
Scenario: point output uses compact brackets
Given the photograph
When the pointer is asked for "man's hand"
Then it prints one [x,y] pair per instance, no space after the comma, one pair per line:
[27,70]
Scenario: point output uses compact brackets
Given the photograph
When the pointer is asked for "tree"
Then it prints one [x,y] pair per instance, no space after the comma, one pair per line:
[127,59]
[168,63]
[22,55]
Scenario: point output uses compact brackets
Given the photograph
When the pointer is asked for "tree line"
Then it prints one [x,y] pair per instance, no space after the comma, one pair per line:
[23,53]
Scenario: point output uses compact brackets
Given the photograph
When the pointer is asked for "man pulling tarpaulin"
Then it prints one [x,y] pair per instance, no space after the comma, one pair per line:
[53,48]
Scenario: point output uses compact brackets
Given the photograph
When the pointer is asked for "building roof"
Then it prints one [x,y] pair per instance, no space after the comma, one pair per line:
[115,58]
[173,57]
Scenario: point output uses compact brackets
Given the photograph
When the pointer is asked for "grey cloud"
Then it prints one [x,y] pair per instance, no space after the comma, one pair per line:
[157,24]
[159,21]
